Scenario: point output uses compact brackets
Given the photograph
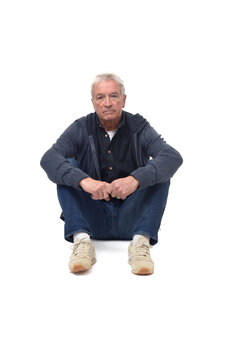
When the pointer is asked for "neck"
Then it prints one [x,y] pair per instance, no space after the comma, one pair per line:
[110,125]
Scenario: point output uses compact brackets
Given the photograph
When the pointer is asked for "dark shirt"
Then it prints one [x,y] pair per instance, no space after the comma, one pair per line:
[116,157]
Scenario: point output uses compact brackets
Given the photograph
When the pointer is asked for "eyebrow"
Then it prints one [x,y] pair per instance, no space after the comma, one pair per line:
[113,93]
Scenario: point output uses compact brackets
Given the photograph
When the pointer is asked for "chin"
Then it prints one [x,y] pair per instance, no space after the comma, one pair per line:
[109,116]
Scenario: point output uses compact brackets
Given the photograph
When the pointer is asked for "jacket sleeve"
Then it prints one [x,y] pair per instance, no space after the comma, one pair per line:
[164,163]
[54,160]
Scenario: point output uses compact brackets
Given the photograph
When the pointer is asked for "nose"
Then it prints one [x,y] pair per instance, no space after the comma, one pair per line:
[108,101]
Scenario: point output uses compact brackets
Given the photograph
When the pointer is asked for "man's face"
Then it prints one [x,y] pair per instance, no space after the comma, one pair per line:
[108,101]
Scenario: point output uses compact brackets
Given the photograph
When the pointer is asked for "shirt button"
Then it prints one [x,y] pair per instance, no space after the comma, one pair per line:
[109,151]
[110,167]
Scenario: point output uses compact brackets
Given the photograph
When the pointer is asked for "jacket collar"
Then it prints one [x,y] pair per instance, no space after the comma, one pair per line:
[135,122]
[122,121]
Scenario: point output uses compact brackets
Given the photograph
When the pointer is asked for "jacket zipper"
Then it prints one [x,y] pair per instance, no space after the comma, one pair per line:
[94,153]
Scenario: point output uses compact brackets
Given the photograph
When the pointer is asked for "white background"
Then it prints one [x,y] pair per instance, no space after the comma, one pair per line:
[180,64]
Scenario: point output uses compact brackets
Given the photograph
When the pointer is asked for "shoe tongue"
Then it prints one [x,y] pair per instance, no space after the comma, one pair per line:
[140,239]
[143,241]
[84,240]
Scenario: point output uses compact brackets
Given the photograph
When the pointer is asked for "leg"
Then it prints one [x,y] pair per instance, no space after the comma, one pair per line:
[142,215]
[141,212]
[83,214]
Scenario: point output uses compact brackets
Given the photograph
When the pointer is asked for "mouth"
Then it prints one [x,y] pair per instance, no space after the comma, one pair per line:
[108,111]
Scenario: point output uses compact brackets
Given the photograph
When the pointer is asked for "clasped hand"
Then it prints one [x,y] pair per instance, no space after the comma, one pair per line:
[101,190]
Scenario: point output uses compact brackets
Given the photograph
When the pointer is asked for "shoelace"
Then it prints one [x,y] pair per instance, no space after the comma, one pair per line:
[140,251]
[80,248]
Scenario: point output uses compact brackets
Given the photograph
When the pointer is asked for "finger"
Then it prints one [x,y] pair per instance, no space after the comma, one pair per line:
[97,195]
[115,192]
[119,194]
[109,188]
[106,195]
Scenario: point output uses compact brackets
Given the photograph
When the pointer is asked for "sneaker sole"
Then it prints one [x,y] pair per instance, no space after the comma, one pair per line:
[80,267]
[143,271]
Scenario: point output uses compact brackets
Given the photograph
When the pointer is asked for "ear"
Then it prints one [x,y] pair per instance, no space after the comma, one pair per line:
[124,100]
[93,104]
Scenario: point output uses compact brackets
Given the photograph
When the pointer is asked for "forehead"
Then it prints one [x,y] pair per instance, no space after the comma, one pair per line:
[105,87]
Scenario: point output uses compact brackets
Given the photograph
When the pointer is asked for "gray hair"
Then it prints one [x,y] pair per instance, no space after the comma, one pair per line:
[107,77]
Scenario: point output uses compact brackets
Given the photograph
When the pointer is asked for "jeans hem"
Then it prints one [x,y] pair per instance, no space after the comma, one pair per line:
[153,239]
[69,236]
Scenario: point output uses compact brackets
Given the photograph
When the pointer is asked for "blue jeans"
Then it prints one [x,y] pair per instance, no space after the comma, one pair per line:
[139,213]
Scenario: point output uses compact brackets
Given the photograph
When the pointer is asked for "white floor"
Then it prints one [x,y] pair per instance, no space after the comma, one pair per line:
[189,307]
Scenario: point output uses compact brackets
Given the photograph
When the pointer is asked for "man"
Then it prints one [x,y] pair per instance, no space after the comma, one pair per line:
[107,185]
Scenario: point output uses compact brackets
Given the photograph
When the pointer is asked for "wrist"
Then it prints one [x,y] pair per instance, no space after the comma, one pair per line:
[136,181]
[84,181]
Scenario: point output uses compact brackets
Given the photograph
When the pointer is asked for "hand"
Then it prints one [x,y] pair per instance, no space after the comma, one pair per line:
[121,188]
[98,189]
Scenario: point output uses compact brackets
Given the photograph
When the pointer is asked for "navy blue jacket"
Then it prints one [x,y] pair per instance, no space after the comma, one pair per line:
[79,141]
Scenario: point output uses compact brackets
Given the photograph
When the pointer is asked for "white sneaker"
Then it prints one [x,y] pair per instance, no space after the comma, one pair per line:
[139,257]
[83,256]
